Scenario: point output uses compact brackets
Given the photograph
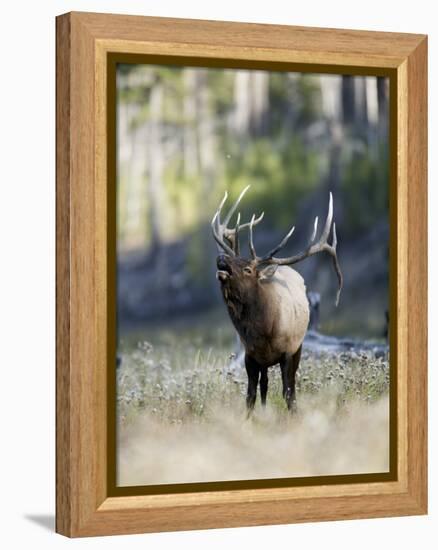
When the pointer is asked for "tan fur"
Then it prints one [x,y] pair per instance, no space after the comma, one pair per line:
[286,292]
[284,316]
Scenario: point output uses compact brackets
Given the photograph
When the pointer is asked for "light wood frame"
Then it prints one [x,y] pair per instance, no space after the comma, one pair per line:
[84,41]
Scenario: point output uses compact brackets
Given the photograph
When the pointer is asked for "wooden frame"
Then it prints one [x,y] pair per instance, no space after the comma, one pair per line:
[84,42]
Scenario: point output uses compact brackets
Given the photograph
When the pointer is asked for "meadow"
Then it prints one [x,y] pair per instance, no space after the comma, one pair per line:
[182,416]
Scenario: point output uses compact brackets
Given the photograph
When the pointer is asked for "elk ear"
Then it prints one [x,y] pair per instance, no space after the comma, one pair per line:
[267,272]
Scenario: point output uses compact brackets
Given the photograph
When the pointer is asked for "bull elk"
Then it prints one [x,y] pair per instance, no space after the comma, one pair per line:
[266,299]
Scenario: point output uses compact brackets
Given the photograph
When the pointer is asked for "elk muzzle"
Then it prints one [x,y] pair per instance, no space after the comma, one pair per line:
[223,268]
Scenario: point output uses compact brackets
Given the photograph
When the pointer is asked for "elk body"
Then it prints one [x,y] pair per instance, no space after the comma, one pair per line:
[266,300]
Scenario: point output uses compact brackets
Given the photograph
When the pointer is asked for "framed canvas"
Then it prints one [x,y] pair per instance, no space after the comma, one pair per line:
[164,128]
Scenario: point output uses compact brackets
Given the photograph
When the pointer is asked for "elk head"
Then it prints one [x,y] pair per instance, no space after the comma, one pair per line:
[239,276]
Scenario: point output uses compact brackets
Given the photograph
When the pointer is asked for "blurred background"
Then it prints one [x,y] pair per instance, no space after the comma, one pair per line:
[185,135]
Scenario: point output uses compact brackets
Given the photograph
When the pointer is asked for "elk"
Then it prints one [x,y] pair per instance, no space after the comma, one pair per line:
[266,299]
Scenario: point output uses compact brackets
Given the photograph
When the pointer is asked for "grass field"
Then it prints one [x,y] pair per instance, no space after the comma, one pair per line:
[182,416]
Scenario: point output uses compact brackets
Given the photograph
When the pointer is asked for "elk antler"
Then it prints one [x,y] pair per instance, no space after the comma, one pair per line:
[313,248]
[228,238]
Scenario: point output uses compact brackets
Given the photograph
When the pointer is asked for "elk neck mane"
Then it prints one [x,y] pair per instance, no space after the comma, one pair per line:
[246,315]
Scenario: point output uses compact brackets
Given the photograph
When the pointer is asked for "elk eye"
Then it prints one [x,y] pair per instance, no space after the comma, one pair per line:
[247,270]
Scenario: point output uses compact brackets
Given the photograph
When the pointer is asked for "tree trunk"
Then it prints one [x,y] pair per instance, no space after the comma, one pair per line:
[191,163]
[333,97]
[383,106]
[242,110]
[348,101]
[360,104]
[259,105]
[209,168]
[156,166]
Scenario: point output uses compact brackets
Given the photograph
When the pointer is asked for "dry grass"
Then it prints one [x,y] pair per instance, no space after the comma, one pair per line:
[319,441]
[182,418]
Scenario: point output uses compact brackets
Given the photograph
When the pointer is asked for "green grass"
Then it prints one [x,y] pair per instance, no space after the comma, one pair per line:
[184,371]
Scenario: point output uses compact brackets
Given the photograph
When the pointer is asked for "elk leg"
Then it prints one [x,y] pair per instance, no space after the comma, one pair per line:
[285,363]
[263,385]
[253,372]
[289,366]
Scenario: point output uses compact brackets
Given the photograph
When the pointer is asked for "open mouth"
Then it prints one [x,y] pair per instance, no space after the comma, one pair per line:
[222,275]
[223,269]
[223,272]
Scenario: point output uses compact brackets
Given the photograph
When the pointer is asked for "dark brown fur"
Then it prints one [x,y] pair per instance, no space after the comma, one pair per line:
[247,292]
